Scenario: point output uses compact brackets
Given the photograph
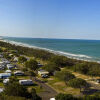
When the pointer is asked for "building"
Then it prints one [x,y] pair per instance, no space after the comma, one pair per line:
[16,59]
[2,65]
[10,66]
[42,72]
[5,61]
[26,82]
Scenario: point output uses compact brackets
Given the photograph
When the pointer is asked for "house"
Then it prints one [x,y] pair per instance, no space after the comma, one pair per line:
[2,65]
[26,82]
[5,81]
[8,71]
[11,55]
[1,55]
[4,75]
[43,72]
[15,59]
[5,61]
[18,73]
[10,66]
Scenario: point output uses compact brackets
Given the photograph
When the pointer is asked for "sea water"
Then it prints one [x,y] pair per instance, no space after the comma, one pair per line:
[73,48]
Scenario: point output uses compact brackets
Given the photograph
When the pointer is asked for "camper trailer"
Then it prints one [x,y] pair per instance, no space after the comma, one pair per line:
[26,82]
[4,75]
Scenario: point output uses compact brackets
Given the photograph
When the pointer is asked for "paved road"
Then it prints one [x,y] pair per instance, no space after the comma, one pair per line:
[48,93]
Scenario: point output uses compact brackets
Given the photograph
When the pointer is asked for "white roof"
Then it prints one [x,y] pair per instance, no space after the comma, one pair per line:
[24,80]
[5,74]
[9,65]
[8,71]
[1,90]
[5,80]
[18,72]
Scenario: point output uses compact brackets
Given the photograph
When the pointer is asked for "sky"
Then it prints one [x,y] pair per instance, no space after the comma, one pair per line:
[75,19]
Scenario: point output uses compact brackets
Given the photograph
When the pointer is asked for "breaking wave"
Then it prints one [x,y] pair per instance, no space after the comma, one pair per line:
[67,54]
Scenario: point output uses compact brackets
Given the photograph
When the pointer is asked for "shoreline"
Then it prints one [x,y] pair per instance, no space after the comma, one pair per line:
[61,53]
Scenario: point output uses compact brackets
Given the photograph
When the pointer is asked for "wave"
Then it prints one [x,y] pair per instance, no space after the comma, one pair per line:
[67,54]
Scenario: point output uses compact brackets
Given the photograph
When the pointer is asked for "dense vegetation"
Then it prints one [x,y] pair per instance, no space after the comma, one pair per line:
[14,89]
[61,96]
[64,76]
[54,64]
[88,68]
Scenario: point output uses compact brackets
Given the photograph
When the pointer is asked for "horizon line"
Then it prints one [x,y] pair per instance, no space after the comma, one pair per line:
[49,38]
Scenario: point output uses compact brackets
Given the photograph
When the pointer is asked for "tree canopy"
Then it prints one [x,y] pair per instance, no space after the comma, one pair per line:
[22,59]
[77,83]
[31,64]
[51,67]
[64,75]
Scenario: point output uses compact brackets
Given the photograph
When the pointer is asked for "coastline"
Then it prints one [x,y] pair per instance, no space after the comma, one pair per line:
[79,57]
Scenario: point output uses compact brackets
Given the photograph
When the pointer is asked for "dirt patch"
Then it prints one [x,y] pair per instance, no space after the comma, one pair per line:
[50,78]
[60,84]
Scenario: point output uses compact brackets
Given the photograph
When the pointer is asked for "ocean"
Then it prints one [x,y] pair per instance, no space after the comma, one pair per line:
[74,48]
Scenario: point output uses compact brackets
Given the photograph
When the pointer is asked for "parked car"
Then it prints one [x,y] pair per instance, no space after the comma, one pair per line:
[19,73]
[44,76]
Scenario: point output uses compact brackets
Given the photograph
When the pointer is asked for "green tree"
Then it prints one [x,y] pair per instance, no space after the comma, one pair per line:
[82,68]
[62,61]
[31,64]
[64,75]
[51,67]
[13,88]
[77,83]
[22,59]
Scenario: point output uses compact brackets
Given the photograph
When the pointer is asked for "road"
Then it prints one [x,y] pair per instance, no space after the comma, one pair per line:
[48,93]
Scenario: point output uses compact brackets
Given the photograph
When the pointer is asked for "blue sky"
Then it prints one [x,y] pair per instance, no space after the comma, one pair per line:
[50,18]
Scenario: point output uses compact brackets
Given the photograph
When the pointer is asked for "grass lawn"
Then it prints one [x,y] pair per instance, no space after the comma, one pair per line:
[1,83]
[23,77]
[61,87]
